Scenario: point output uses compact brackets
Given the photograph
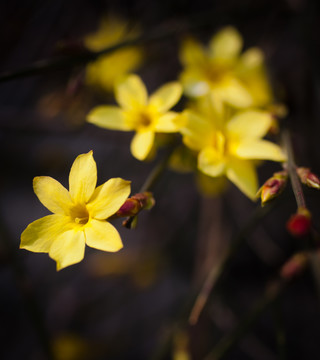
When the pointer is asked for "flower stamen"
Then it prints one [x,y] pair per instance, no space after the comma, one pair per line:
[81,221]
[80,214]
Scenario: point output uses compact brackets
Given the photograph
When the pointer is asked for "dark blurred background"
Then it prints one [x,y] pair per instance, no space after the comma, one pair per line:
[125,305]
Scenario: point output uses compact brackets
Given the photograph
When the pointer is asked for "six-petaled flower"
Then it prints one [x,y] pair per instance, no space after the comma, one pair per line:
[222,71]
[140,113]
[228,144]
[79,215]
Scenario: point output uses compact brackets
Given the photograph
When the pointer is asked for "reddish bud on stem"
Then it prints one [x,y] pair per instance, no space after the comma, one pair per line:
[135,204]
[273,186]
[294,266]
[308,178]
[299,224]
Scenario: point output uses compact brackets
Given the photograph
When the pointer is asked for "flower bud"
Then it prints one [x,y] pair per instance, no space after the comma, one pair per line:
[273,186]
[294,266]
[135,204]
[308,178]
[299,224]
[145,199]
[129,208]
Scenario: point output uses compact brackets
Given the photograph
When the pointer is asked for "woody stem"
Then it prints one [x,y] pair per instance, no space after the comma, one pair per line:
[291,167]
[153,177]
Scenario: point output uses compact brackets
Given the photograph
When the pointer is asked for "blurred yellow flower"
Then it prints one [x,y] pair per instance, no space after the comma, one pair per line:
[79,215]
[107,69]
[227,144]
[221,70]
[138,112]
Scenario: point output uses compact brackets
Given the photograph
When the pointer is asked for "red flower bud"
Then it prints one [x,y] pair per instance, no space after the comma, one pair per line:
[273,186]
[145,199]
[308,178]
[129,208]
[133,205]
[299,224]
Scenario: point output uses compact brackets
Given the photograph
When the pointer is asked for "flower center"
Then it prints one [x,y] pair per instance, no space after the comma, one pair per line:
[144,119]
[79,214]
[216,72]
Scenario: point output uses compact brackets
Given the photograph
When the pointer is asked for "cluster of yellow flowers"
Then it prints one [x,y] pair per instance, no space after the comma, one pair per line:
[223,126]
[104,72]
[225,120]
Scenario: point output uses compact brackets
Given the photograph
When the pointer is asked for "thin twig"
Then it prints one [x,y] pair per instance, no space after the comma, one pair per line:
[152,179]
[86,56]
[279,329]
[291,167]
[227,343]
[191,306]
[218,269]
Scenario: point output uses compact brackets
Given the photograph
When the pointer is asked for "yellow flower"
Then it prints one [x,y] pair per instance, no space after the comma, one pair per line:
[138,112]
[237,79]
[229,144]
[107,69]
[79,215]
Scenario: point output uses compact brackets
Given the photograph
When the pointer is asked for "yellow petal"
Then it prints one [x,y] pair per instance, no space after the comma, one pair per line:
[108,69]
[210,162]
[102,235]
[166,97]
[259,149]
[166,123]
[111,30]
[68,248]
[226,44]
[251,71]
[250,124]
[131,93]
[40,234]
[109,117]
[194,83]
[83,178]
[196,130]
[141,144]
[52,194]
[108,198]
[251,59]
[196,124]
[233,92]
[243,174]
[192,53]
